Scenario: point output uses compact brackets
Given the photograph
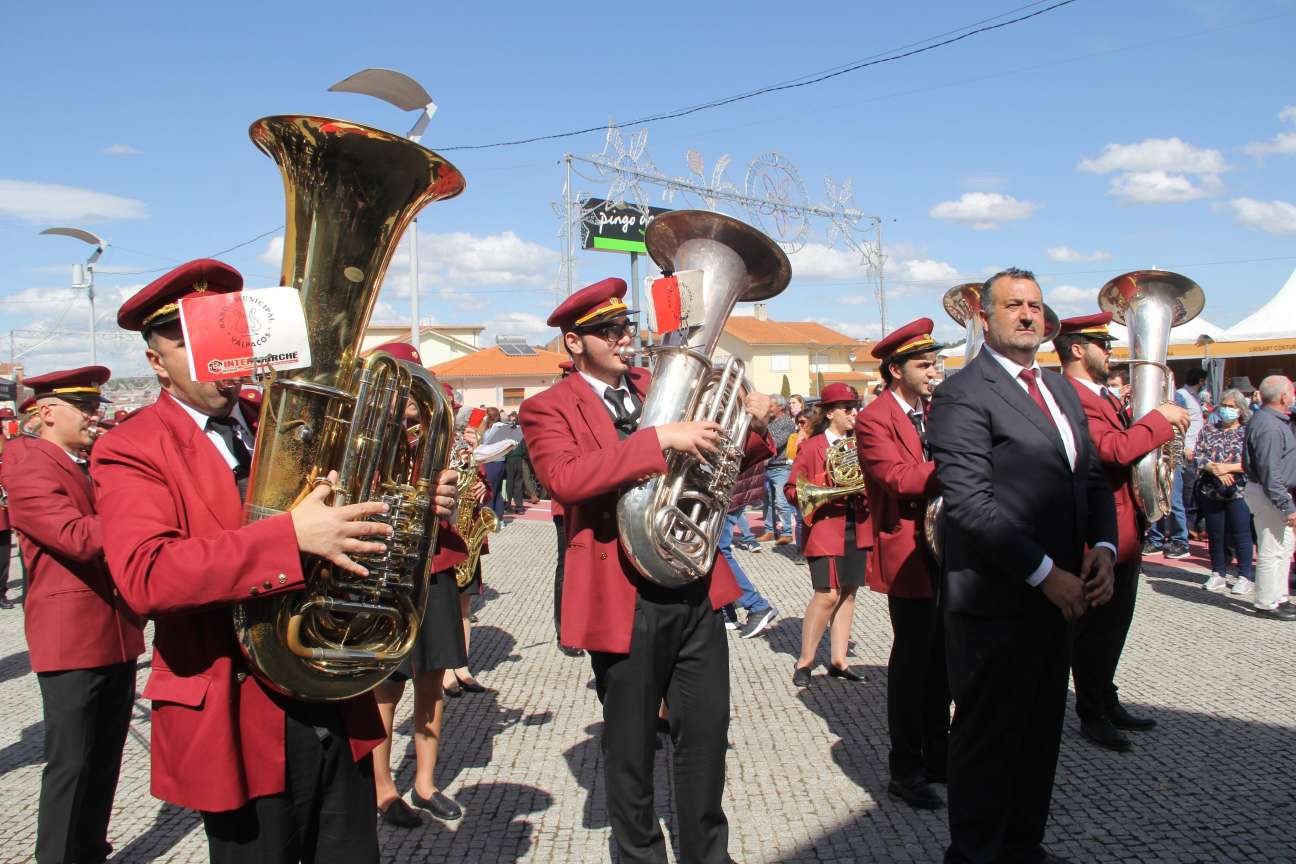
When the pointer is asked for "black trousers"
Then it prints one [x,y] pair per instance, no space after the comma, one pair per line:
[6,551]
[513,476]
[325,814]
[87,715]
[1008,677]
[918,697]
[1099,640]
[561,530]
[678,652]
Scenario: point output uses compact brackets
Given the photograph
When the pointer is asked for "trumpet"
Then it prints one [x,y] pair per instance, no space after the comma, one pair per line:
[843,468]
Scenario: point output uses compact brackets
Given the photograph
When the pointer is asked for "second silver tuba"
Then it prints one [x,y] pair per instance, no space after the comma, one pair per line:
[670,524]
[1149,303]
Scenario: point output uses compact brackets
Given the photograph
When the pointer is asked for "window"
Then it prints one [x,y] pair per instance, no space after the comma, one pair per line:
[780,362]
[820,360]
[513,396]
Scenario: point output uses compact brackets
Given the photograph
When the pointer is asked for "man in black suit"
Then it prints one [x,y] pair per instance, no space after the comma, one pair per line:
[1030,534]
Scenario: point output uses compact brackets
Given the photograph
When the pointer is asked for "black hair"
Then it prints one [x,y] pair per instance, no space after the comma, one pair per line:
[1010,273]
[900,360]
[1063,344]
[1195,376]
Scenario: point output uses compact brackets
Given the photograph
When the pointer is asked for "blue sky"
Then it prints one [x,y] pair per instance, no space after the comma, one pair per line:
[1101,137]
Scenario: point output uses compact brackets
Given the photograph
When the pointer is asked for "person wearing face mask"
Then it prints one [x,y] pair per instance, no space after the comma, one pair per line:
[1222,485]
[83,640]
[1084,347]
[646,642]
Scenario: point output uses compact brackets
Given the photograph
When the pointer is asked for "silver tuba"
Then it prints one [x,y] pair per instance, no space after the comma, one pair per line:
[963,304]
[1149,303]
[670,524]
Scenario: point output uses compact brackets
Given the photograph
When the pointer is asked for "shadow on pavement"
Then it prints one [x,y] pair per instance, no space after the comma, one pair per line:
[29,749]
[171,825]
[14,666]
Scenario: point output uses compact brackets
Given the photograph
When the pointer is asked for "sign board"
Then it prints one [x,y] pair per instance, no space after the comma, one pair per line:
[617,228]
[241,333]
[8,390]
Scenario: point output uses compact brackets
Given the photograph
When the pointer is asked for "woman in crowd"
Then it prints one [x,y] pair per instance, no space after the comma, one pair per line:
[1220,489]
[806,418]
[835,543]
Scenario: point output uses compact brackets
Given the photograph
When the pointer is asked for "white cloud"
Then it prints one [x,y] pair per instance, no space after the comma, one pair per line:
[516,324]
[1159,187]
[52,202]
[1282,144]
[1068,255]
[1158,171]
[1272,217]
[817,262]
[464,260]
[120,150]
[1156,154]
[1063,294]
[273,254]
[983,211]
[927,270]
[853,329]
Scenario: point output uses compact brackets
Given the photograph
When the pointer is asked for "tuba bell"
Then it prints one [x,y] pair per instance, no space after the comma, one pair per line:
[963,304]
[351,192]
[670,524]
[1149,303]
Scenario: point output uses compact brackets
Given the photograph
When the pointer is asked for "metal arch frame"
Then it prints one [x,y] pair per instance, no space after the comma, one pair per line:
[629,174]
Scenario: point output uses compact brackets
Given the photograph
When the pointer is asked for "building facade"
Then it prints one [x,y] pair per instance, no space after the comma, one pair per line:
[806,352]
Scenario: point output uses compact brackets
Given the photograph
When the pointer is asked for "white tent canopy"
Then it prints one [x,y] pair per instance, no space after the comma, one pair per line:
[1184,334]
[1275,318]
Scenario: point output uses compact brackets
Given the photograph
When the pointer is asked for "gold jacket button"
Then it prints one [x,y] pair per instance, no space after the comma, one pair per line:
[266,585]
[603,556]
[240,677]
[253,590]
[282,578]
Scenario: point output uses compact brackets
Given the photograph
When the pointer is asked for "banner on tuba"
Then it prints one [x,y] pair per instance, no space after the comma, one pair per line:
[242,333]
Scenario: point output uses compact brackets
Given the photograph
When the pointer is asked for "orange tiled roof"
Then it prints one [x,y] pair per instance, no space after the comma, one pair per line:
[494,363]
[754,331]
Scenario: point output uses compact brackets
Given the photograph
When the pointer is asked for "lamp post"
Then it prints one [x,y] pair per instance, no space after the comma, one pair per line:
[397,88]
[83,274]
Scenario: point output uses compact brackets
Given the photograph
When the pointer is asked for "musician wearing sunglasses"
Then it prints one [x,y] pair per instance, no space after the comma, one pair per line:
[900,477]
[82,638]
[587,446]
[1084,347]
[837,538]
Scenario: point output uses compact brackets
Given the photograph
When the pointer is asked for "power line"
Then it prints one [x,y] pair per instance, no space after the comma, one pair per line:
[775,88]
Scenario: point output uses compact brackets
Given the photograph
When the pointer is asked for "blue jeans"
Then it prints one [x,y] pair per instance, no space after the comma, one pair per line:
[1228,523]
[1175,522]
[740,522]
[751,599]
[778,512]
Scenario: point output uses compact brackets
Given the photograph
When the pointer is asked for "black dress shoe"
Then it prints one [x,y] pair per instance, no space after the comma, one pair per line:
[845,674]
[1122,719]
[472,685]
[1282,613]
[400,814]
[801,677]
[440,805]
[571,652]
[1104,734]
[454,691]
[917,793]
[6,603]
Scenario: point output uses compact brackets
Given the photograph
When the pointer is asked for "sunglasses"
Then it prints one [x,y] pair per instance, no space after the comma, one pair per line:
[614,331]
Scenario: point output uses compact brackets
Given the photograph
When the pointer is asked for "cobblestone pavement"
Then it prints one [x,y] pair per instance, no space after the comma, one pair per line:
[806,772]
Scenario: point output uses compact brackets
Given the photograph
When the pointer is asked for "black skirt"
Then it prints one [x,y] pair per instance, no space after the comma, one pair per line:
[840,571]
[440,642]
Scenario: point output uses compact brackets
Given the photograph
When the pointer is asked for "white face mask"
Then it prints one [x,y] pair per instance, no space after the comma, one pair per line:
[1204,396]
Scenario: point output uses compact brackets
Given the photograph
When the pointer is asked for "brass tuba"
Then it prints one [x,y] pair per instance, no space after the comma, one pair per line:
[351,191]
[1149,303]
[670,524]
[841,463]
[963,304]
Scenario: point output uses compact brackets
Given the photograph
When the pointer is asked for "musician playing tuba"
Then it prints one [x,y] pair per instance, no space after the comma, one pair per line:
[587,446]
[1084,347]
[223,741]
[836,540]
[890,434]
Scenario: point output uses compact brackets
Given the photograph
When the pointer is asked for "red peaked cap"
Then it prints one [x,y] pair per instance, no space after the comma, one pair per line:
[158,302]
[6,414]
[251,394]
[838,392]
[591,304]
[914,337]
[28,405]
[1088,325]
[71,384]
[402,351]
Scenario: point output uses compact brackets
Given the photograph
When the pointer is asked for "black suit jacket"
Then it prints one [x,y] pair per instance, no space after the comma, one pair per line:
[1010,495]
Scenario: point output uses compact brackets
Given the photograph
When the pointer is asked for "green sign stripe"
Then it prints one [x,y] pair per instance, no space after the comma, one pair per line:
[616,245]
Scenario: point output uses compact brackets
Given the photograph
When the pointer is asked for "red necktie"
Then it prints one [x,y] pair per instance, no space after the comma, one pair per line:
[1032,387]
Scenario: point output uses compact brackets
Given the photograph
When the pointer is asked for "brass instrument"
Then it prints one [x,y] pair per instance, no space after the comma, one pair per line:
[473,521]
[670,524]
[963,304]
[1149,303]
[841,463]
[351,192]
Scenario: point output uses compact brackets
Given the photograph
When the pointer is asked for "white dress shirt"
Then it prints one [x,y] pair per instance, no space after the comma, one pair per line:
[600,389]
[1014,371]
[241,429]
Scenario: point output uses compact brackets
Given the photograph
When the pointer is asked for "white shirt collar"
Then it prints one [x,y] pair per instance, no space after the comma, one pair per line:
[1012,367]
[905,406]
[832,436]
[1096,388]
[201,418]
[600,387]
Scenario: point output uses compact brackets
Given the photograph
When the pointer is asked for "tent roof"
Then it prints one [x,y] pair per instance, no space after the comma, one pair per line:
[1183,334]
[1275,318]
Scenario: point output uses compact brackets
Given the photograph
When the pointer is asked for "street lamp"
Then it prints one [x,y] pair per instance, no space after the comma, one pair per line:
[83,274]
[397,88]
